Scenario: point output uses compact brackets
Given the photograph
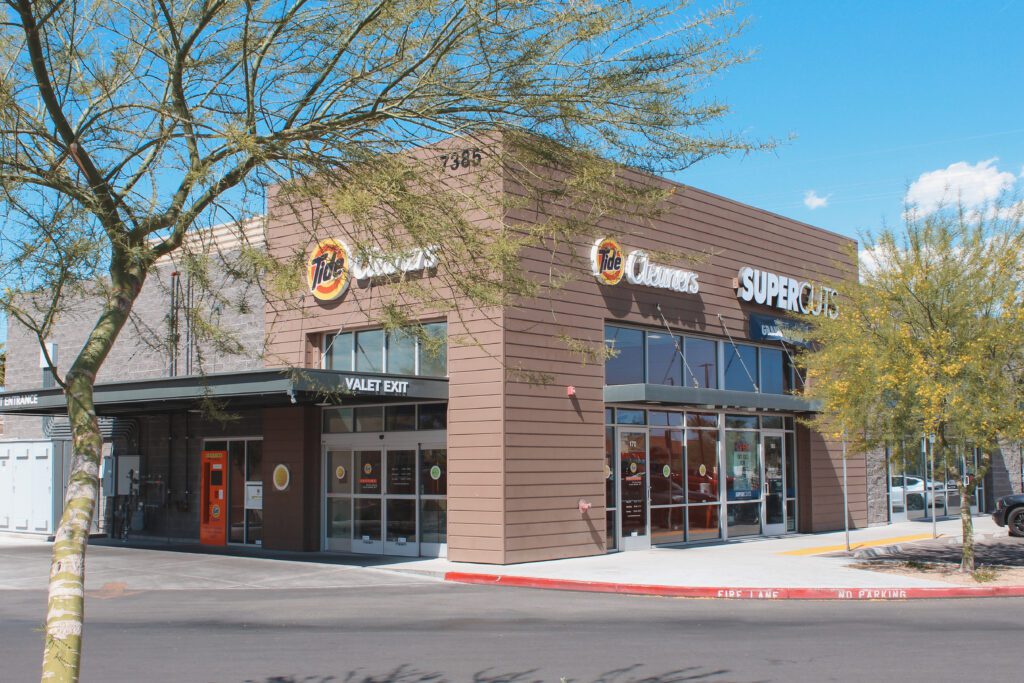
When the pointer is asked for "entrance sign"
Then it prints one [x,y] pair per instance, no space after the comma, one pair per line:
[327,270]
[786,293]
[609,265]
[19,400]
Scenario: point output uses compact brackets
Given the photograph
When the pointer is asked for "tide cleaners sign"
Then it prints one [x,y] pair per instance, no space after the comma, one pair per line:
[610,265]
[327,270]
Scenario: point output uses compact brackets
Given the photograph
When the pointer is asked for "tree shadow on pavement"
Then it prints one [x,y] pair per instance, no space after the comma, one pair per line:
[1000,551]
[409,674]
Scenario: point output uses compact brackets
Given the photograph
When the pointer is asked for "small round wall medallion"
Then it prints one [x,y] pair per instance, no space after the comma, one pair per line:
[282,477]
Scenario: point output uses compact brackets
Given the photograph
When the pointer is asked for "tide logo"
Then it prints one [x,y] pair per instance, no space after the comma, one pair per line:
[607,261]
[327,270]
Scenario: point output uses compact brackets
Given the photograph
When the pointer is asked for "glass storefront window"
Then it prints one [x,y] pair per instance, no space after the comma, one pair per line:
[744,519]
[771,422]
[631,417]
[338,351]
[702,420]
[668,525]
[609,416]
[703,522]
[433,521]
[401,472]
[369,419]
[626,366]
[433,350]
[367,519]
[367,476]
[401,520]
[338,421]
[741,421]
[740,367]
[432,416]
[702,362]
[664,365]
[742,466]
[434,472]
[339,472]
[609,467]
[666,461]
[369,351]
[702,479]
[339,518]
[401,353]
[663,418]
[400,418]
[773,372]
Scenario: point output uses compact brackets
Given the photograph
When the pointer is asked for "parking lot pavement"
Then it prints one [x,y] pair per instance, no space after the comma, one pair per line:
[25,564]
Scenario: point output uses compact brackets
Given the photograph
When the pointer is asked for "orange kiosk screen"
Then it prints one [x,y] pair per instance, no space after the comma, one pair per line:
[213,521]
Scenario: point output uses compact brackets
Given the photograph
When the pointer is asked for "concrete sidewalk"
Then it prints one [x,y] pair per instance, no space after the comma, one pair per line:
[802,566]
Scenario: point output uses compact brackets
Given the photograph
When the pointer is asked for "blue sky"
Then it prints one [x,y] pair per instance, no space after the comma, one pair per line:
[881,98]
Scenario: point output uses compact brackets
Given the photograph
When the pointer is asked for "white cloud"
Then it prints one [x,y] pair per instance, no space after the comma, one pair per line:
[971,185]
[812,201]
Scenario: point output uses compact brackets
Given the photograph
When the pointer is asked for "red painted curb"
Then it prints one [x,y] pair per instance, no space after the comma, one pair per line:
[734,593]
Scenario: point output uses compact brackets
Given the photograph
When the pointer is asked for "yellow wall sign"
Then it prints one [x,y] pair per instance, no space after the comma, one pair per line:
[607,261]
[282,477]
[328,269]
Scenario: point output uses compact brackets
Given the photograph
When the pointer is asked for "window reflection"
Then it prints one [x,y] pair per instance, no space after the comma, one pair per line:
[626,366]
[702,363]
[740,367]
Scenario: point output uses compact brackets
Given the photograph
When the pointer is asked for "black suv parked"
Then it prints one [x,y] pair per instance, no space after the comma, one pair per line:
[1010,513]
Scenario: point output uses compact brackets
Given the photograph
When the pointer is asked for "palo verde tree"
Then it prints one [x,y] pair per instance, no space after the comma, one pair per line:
[928,344]
[123,125]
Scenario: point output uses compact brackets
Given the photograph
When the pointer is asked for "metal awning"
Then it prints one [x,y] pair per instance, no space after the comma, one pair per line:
[248,389]
[711,398]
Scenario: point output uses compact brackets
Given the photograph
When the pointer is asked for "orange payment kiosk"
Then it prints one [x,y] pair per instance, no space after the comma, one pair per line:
[213,520]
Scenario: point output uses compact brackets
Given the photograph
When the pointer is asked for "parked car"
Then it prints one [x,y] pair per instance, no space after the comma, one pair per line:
[911,489]
[1010,513]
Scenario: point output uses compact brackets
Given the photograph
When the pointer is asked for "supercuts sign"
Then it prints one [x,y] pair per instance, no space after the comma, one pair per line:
[327,270]
[610,265]
[786,293]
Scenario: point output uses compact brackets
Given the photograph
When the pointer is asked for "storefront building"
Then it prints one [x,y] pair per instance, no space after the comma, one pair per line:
[347,438]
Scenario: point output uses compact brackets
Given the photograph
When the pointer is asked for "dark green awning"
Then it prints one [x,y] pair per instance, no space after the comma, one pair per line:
[712,398]
[253,388]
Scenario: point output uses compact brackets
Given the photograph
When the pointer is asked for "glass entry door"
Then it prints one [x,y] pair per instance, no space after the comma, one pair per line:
[774,484]
[387,499]
[633,493]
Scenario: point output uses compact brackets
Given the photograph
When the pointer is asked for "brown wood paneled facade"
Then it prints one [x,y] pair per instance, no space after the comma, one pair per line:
[523,453]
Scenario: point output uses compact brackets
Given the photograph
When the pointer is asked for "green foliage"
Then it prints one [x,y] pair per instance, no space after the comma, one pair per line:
[928,340]
[125,127]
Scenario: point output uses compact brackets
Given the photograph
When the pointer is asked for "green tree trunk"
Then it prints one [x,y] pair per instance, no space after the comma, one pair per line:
[62,653]
[66,604]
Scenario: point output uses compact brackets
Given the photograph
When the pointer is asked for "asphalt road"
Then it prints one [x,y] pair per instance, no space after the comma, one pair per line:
[431,632]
